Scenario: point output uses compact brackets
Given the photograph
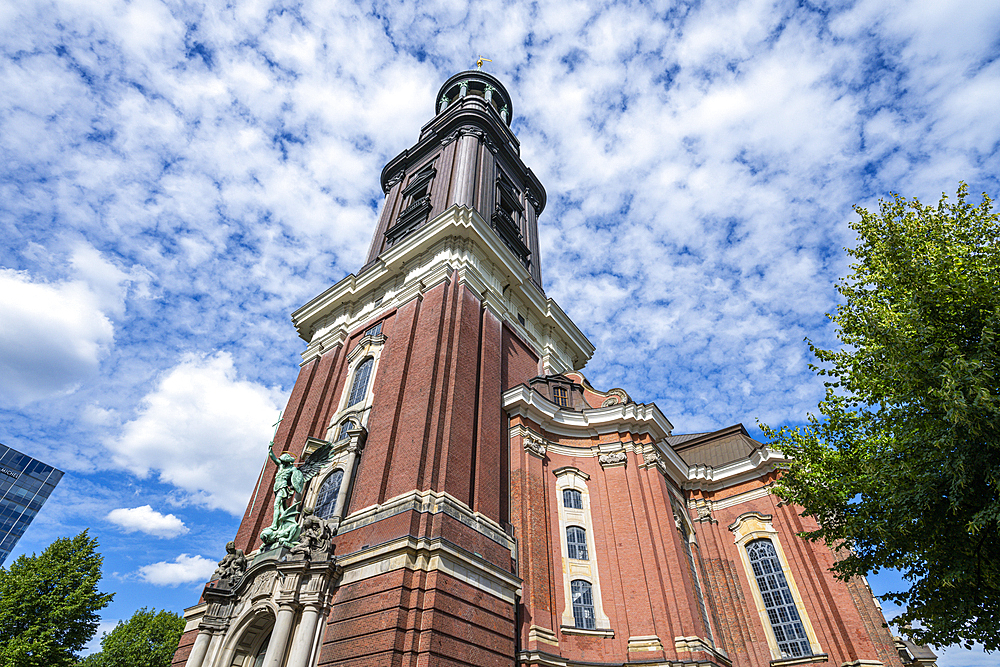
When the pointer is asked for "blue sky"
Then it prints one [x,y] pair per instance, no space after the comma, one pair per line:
[177,177]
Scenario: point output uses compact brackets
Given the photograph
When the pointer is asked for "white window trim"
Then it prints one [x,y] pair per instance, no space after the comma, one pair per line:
[313,495]
[753,526]
[571,478]
[368,346]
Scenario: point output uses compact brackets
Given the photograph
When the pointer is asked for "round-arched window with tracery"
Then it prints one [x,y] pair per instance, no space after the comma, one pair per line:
[326,500]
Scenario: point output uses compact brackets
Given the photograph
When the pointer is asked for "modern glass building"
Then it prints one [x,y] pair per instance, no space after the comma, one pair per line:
[25,485]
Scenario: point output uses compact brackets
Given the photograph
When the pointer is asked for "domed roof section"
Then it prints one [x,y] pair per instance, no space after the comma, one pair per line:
[478,83]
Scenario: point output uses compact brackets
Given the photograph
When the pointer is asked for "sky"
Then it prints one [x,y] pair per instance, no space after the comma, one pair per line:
[177,177]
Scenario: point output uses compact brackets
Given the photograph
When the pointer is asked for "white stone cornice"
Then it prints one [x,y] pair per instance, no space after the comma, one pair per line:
[636,419]
[458,245]
[429,555]
[632,417]
[760,462]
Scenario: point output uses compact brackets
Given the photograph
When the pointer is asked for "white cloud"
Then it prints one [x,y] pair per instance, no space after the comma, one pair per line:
[53,335]
[184,569]
[203,430]
[147,520]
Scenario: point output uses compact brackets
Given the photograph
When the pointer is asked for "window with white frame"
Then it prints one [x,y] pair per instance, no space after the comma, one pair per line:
[345,426]
[778,600]
[583,610]
[576,543]
[326,501]
[572,499]
[360,385]
[783,614]
[583,605]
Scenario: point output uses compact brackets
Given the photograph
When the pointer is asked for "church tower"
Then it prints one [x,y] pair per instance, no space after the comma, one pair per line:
[402,374]
[445,487]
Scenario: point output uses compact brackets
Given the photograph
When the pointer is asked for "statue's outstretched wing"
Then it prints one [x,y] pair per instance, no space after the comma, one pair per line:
[315,462]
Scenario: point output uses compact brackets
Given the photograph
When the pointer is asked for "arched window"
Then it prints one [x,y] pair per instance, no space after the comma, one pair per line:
[572,499]
[326,501]
[344,428]
[576,542]
[778,601]
[261,653]
[583,605]
[360,386]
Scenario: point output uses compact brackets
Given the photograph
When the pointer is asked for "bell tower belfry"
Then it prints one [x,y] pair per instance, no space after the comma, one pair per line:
[408,556]
[466,156]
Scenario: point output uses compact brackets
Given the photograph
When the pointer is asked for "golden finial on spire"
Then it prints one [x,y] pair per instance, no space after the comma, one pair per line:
[480,61]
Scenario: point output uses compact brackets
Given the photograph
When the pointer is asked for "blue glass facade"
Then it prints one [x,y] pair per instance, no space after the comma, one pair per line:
[25,485]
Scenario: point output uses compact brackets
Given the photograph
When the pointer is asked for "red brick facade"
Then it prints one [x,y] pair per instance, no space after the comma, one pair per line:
[647,584]
[453,536]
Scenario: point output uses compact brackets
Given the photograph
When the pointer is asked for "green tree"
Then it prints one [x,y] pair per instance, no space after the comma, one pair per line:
[902,466]
[49,604]
[148,639]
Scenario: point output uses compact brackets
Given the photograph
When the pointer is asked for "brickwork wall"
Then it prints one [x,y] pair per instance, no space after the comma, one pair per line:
[875,625]
[645,580]
[846,628]
[491,460]
[644,573]
[530,519]
[419,619]
[519,364]
[435,422]
[184,648]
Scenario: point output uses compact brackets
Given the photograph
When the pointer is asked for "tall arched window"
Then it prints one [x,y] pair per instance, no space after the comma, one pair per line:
[576,542]
[360,386]
[778,601]
[583,605]
[572,499]
[326,501]
[344,428]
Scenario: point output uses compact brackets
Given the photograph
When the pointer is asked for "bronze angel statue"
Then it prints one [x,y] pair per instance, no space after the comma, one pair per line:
[289,482]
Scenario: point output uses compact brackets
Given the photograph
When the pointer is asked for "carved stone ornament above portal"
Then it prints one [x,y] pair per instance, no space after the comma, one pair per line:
[315,539]
[231,567]
[618,458]
[534,444]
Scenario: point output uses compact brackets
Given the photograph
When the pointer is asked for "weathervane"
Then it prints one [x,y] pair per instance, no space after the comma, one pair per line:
[480,61]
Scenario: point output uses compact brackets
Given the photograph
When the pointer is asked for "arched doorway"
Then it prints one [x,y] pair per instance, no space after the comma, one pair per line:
[252,645]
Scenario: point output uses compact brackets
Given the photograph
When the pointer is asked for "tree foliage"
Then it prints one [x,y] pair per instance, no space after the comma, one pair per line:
[49,604]
[148,639]
[902,465]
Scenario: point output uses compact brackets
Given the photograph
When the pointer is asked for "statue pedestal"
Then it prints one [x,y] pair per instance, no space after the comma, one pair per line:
[277,553]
